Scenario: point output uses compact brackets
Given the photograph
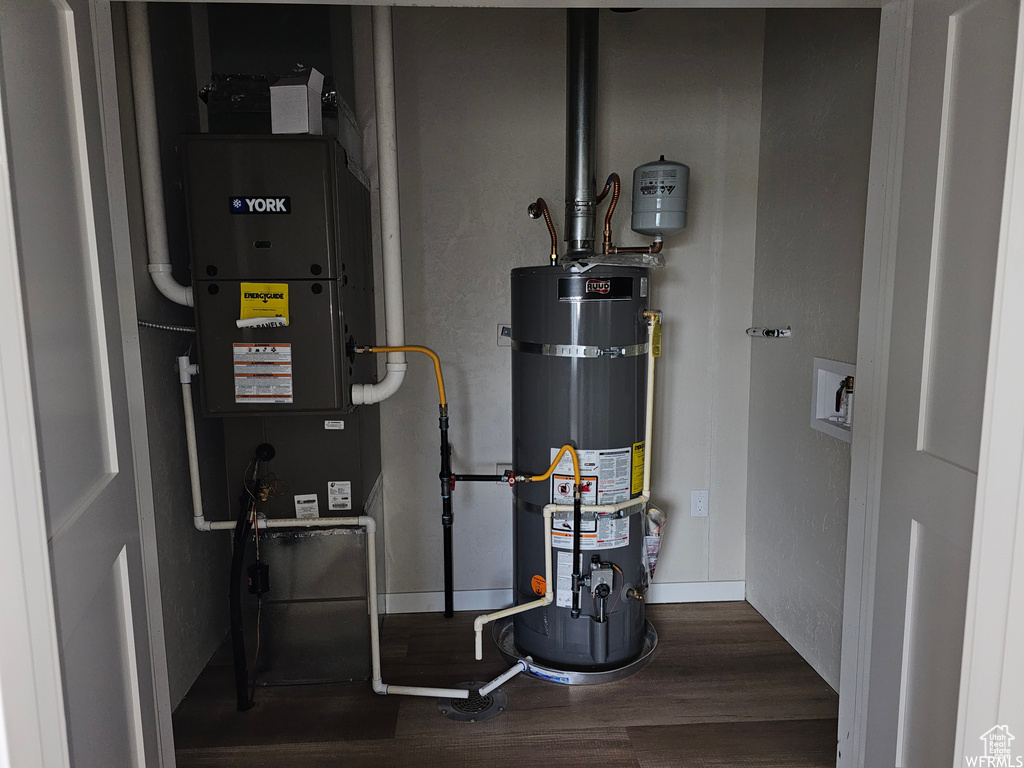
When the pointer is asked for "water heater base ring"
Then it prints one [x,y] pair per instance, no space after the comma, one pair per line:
[502,633]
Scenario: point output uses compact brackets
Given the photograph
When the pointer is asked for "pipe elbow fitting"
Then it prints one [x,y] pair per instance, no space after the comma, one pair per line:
[379,687]
[201,524]
[368,523]
[368,394]
[170,288]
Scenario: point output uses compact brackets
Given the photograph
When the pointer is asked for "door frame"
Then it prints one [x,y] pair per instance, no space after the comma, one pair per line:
[996,598]
[878,279]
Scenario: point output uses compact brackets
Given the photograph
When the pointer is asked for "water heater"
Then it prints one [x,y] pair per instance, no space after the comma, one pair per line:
[579,375]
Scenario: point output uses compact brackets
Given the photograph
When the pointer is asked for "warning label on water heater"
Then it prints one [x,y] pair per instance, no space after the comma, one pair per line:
[263,373]
[604,475]
[600,533]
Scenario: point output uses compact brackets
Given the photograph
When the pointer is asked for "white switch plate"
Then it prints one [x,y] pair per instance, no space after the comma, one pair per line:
[501,469]
[698,503]
[504,335]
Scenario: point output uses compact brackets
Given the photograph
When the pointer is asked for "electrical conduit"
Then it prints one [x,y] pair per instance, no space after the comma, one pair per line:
[149,158]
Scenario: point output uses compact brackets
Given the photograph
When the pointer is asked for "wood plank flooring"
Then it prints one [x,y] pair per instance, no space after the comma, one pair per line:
[724,689]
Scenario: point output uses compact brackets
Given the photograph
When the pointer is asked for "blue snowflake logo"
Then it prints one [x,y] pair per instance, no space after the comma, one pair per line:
[237,203]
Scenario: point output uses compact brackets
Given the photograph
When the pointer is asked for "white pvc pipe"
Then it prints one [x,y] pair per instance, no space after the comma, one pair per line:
[379,686]
[186,371]
[520,666]
[390,218]
[149,157]
[549,595]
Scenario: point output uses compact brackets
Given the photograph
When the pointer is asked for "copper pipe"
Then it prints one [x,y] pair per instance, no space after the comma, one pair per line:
[538,209]
[654,247]
[613,179]
[604,192]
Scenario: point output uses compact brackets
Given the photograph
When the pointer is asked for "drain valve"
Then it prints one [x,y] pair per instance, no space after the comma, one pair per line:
[476,708]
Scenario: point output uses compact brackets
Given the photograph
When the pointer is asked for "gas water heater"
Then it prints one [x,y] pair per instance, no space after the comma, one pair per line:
[579,375]
[584,339]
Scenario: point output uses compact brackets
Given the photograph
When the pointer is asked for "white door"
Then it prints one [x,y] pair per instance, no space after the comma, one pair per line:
[64,248]
[958,106]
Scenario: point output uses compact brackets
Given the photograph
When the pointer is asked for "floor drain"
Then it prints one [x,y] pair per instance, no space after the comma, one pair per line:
[476,708]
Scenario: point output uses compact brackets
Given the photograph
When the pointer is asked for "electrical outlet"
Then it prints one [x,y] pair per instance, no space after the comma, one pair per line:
[504,335]
[501,469]
[698,503]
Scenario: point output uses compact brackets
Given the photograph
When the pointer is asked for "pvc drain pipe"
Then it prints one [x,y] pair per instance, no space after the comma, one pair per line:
[390,218]
[143,92]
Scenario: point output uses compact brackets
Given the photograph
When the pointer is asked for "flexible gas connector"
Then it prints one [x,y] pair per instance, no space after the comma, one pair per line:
[575,465]
[538,209]
[423,350]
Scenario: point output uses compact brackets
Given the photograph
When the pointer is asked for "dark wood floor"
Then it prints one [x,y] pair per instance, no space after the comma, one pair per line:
[724,689]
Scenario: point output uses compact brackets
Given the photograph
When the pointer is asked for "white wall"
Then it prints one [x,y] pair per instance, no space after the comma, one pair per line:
[819,75]
[481,109]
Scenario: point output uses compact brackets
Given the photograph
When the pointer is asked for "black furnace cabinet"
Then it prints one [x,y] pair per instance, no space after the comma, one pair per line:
[279,233]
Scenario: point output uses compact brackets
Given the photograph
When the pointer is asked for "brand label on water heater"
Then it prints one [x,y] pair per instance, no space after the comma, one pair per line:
[242,204]
[595,288]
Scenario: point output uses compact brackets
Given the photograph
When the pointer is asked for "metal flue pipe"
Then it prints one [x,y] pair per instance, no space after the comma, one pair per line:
[580,133]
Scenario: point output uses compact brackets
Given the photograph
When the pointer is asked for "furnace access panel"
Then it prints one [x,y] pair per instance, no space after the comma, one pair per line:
[281,264]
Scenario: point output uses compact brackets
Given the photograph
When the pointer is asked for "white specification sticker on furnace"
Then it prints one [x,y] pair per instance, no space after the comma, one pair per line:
[604,476]
[334,424]
[307,505]
[339,495]
[563,585]
[263,373]
[602,533]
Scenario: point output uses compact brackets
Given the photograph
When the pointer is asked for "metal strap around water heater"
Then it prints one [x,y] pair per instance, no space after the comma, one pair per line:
[578,350]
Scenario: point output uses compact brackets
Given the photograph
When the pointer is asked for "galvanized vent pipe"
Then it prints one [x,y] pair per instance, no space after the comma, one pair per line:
[580,130]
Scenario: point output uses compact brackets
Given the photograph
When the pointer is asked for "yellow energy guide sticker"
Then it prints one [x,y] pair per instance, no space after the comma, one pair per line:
[637,484]
[261,300]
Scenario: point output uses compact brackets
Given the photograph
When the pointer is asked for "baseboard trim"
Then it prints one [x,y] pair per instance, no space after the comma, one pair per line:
[493,599]
[433,602]
[697,592]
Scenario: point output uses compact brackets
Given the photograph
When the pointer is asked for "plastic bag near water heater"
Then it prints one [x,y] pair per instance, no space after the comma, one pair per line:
[654,522]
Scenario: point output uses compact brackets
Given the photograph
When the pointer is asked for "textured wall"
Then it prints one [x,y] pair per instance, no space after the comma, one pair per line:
[193,565]
[818,91]
[481,110]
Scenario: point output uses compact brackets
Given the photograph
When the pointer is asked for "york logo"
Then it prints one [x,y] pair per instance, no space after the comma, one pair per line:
[261,205]
[599,286]
[264,297]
